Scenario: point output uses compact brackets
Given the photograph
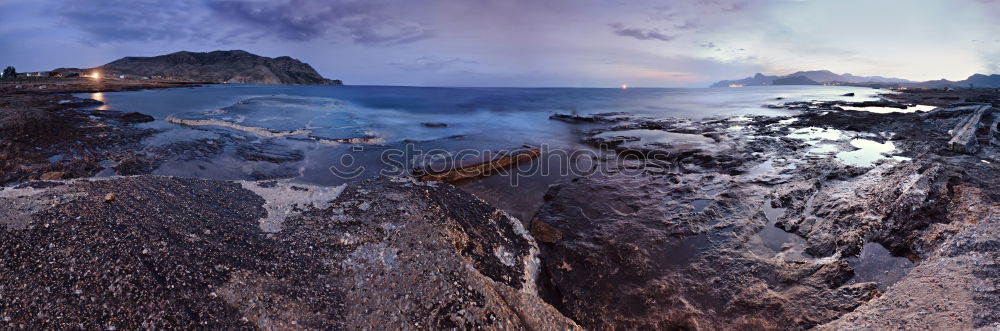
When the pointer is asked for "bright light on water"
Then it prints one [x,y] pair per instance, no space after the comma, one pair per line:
[99,96]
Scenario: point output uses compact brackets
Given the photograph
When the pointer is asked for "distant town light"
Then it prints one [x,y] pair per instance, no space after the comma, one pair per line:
[95,75]
[624,86]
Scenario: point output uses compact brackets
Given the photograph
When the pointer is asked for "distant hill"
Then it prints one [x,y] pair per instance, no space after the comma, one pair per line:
[980,80]
[219,66]
[827,77]
[817,76]
[797,80]
[974,81]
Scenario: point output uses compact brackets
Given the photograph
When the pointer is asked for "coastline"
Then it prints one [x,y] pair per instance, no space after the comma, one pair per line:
[49,133]
[610,251]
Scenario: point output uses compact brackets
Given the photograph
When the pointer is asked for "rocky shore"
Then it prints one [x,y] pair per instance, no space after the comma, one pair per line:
[162,252]
[833,218]
[760,222]
[49,133]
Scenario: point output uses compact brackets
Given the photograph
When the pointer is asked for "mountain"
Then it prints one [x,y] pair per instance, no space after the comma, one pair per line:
[818,76]
[976,81]
[797,80]
[980,80]
[219,66]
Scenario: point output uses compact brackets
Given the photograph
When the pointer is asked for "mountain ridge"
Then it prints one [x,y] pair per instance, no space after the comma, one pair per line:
[819,76]
[828,77]
[233,66]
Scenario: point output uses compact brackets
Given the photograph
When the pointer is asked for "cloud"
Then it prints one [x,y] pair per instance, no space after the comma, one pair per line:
[726,5]
[123,20]
[738,6]
[688,25]
[302,20]
[641,34]
[231,21]
[428,63]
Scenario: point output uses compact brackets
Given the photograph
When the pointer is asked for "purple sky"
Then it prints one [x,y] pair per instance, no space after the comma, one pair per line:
[598,43]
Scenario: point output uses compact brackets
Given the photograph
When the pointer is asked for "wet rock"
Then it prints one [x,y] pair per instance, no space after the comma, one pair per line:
[545,233]
[674,234]
[899,202]
[129,117]
[80,103]
[632,254]
[835,105]
[268,151]
[954,288]
[851,94]
[434,124]
[34,129]
[378,254]
[593,118]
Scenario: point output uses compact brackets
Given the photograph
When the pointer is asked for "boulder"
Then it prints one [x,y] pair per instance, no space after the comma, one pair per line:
[80,103]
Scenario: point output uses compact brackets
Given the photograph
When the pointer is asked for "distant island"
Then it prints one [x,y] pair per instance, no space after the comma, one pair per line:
[826,77]
[234,66]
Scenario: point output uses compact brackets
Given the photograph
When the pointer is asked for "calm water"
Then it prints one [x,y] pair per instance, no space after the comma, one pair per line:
[307,120]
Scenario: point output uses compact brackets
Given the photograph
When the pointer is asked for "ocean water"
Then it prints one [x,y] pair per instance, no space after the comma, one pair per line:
[328,135]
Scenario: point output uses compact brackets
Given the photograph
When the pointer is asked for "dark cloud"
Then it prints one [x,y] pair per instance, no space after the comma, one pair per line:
[127,20]
[428,63]
[641,34]
[231,21]
[361,21]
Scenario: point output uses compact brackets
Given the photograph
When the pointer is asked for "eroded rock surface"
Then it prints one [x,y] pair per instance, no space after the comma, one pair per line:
[188,253]
[684,229]
[955,287]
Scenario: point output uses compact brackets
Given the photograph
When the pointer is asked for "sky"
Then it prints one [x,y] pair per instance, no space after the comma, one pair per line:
[529,43]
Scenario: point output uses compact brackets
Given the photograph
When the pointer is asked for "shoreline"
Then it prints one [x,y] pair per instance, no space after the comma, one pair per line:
[774,211]
[48,135]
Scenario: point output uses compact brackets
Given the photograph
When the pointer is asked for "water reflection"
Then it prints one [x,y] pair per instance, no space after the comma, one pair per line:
[867,152]
[99,96]
[876,264]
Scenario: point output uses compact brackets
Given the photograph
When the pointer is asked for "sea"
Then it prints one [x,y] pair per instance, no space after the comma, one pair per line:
[330,135]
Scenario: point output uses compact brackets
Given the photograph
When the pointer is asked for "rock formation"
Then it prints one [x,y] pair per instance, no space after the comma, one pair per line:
[761,222]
